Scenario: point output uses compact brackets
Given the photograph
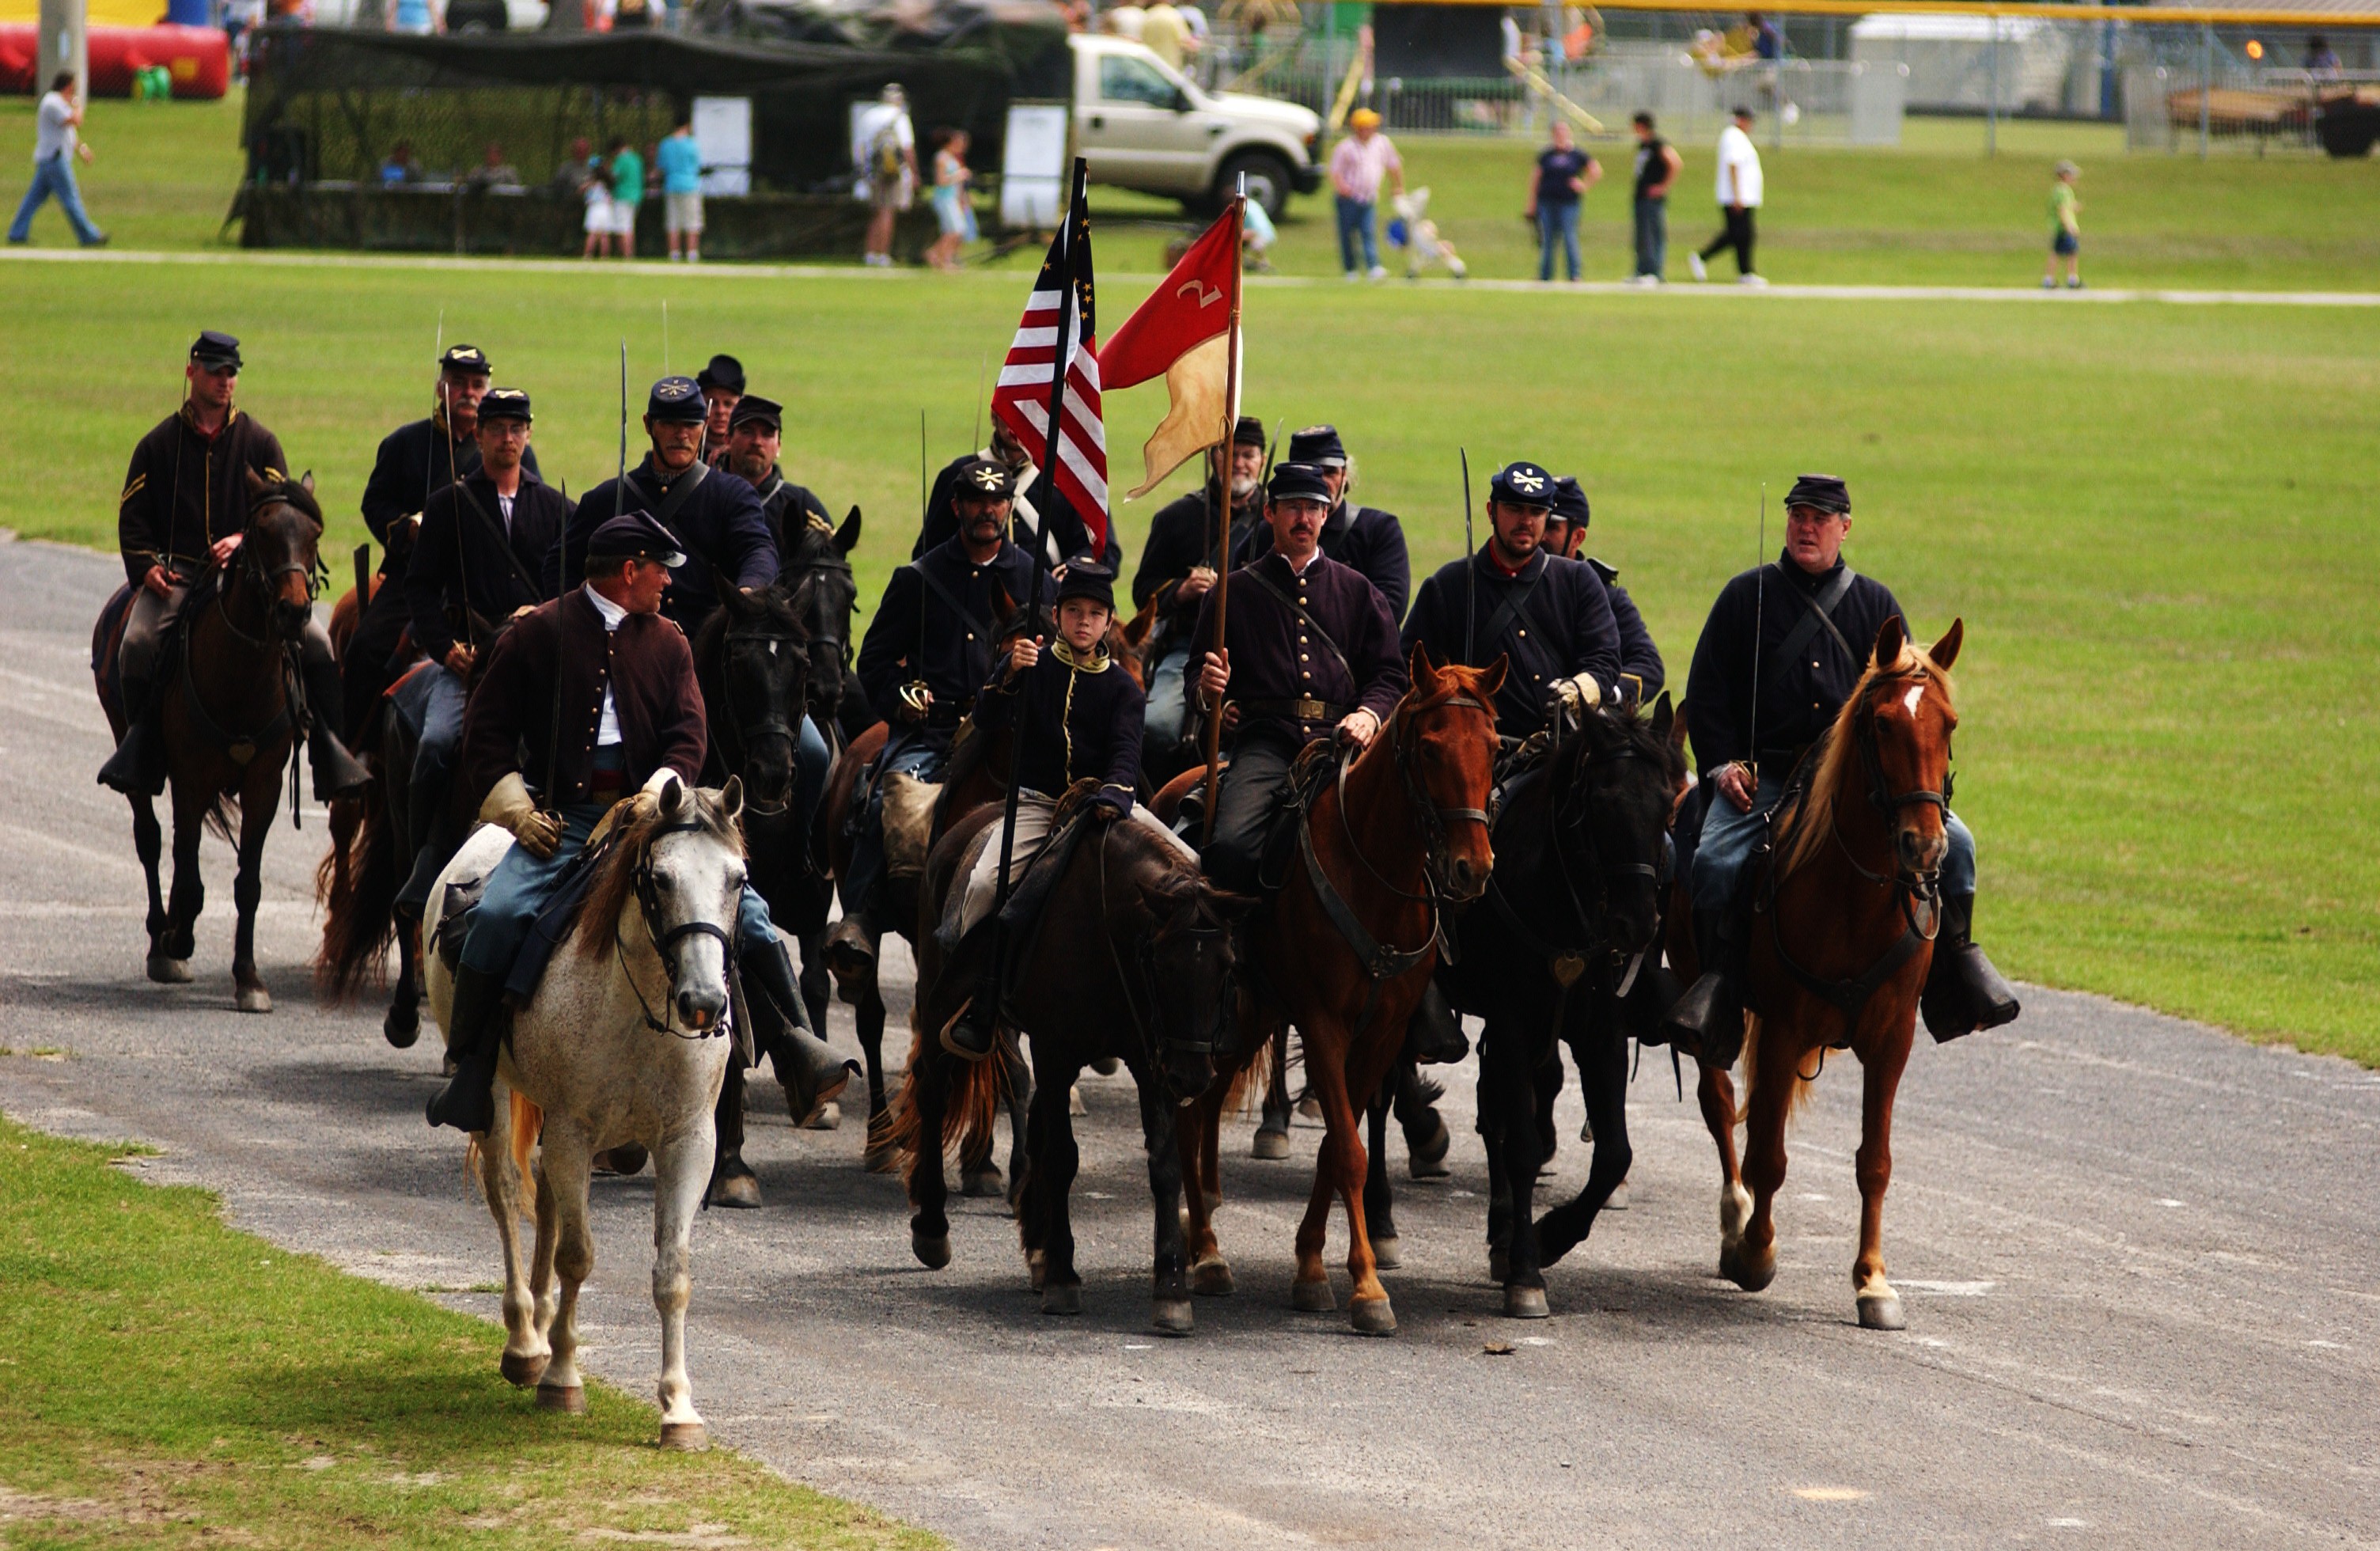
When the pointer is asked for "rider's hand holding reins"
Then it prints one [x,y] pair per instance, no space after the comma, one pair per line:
[1359,727]
[1026,652]
[1735,783]
[160,581]
[508,803]
[1197,584]
[225,548]
[458,659]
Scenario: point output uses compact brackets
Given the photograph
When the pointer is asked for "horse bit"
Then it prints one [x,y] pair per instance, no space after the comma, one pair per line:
[648,905]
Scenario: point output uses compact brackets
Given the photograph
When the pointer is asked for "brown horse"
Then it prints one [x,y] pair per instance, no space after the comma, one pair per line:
[229,719]
[1346,948]
[1841,940]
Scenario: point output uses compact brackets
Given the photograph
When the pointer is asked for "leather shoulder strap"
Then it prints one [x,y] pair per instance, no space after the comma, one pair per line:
[1816,613]
[1311,623]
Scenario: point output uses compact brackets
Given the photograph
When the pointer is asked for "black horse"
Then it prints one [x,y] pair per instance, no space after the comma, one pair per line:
[1132,960]
[1570,915]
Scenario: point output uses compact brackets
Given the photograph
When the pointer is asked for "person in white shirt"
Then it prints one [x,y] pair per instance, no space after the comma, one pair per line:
[56,146]
[884,142]
[1739,196]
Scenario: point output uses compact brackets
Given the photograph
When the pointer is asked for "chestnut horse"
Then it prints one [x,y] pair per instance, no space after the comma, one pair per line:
[1346,948]
[1842,935]
[230,719]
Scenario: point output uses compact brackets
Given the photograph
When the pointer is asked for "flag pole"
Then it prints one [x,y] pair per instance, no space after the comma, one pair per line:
[1223,556]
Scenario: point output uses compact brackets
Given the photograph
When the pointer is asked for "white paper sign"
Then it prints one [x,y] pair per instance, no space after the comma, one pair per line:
[1033,166]
[722,132]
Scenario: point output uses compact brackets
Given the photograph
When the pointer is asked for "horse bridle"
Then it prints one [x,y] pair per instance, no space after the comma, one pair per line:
[1207,927]
[249,563]
[665,941]
[1431,815]
[1925,886]
[830,642]
[1564,964]
[773,723]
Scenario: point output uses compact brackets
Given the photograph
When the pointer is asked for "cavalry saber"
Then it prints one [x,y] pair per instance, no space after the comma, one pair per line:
[1470,566]
[1759,614]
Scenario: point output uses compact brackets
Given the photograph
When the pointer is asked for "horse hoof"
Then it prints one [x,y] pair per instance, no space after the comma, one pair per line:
[1881,1311]
[1107,1066]
[1211,1278]
[1372,1316]
[1170,1316]
[883,1159]
[828,1117]
[981,1183]
[1500,1265]
[1270,1145]
[553,1396]
[522,1373]
[252,999]
[1737,1264]
[1309,1109]
[1618,1200]
[932,1250]
[1386,1256]
[401,1029]
[1427,1161]
[1037,1269]
[1062,1298]
[691,1438]
[1312,1296]
[1525,1302]
[169,970]
[741,1191]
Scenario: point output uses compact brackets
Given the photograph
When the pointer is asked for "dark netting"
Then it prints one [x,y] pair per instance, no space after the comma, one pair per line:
[326,109]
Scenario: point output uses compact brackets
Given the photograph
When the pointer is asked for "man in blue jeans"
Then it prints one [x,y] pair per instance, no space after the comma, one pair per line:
[56,146]
[1358,164]
[1656,171]
[1563,175]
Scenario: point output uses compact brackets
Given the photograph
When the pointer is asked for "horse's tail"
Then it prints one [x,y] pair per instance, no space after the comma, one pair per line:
[979,1090]
[1754,1026]
[357,887]
[529,1123]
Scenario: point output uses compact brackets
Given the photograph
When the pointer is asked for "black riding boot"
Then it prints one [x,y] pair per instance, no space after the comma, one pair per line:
[138,763]
[476,1025]
[807,1069]
[1656,992]
[972,1035]
[335,772]
[1435,1036]
[1963,992]
[1708,1022]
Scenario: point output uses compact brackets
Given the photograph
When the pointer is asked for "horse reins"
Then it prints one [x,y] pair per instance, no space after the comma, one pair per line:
[665,943]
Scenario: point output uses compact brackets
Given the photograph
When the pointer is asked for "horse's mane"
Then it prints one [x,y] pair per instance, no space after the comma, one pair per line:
[285,492]
[777,598]
[1814,814]
[1634,732]
[624,850]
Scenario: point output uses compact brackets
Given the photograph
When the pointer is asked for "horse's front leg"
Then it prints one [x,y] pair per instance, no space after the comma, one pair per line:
[1603,1078]
[1715,1090]
[868,1020]
[189,891]
[149,840]
[1196,1131]
[1379,1208]
[818,990]
[682,1166]
[1170,1273]
[929,1226]
[1272,1129]
[526,1350]
[1507,1058]
[258,805]
[1880,1305]
[402,1024]
[733,1184]
[566,1158]
[1052,1166]
[1753,1264]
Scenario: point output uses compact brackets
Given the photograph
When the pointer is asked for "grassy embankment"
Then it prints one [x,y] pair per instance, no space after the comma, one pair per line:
[167,1382]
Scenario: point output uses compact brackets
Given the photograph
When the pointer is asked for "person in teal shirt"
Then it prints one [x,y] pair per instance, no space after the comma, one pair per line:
[679,160]
[627,193]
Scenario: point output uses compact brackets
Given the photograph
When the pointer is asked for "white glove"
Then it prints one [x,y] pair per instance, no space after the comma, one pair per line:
[509,804]
[1579,692]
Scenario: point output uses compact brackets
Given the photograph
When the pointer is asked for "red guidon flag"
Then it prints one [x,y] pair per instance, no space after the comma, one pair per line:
[1187,332]
[1059,325]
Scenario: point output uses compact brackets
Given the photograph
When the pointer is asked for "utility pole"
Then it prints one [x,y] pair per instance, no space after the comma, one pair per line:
[65,46]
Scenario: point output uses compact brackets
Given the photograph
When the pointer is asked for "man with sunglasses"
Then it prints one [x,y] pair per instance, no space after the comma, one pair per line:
[1809,622]
[183,511]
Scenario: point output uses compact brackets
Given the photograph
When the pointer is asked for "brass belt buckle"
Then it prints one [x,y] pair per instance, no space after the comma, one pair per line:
[1309,708]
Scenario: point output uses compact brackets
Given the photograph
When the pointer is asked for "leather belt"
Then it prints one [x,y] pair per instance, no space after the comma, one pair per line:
[1303,708]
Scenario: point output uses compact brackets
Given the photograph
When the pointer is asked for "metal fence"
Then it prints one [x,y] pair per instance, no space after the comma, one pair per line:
[2254,112]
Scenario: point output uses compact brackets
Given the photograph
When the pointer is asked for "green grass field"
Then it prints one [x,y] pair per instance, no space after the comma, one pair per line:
[2149,515]
[166,1381]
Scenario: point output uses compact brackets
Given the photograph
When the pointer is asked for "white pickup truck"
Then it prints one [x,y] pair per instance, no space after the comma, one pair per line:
[1141,125]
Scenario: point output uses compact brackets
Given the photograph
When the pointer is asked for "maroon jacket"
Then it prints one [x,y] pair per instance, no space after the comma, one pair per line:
[509,725]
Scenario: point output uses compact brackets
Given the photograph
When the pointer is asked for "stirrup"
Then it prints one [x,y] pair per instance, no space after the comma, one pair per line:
[1708,1022]
[969,1025]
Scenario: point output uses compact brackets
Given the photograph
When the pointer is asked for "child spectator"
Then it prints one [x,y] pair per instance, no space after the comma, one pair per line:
[953,211]
[2065,230]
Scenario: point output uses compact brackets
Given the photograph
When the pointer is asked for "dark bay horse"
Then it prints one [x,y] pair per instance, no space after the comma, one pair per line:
[1133,958]
[230,720]
[1569,914]
[1346,948]
[1842,935]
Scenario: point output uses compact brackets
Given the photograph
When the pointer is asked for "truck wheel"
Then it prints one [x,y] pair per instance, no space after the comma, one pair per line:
[1268,181]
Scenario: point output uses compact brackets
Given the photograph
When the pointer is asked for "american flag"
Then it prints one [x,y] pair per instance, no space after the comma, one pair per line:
[1059,324]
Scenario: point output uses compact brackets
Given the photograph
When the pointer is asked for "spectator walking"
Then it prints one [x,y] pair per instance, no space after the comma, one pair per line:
[679,160]
[1165,32]
[2065,230]
[56,146]
[1358,164]
[1657,170]
[886,145]
[953,211]
[1564,174]
[628,194]
[1739,198]
[595,191]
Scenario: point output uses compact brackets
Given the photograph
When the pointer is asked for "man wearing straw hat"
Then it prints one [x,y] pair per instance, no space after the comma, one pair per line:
[1359,163]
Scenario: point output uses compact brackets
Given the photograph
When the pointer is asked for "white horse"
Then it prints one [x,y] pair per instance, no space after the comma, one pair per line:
[621,1044]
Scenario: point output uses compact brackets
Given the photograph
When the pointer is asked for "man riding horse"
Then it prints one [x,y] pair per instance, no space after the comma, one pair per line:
[485,550]
[1364,539]
[1775,663]
[1058,541]
[1178,565]
[721,382]
[601,667]
[1075,716]
[927,651]
[415,459]
[755,438]
[183,511]
[713,515]
[1642,672]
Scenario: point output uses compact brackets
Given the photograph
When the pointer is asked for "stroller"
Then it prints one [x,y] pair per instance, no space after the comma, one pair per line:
[1414,232]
